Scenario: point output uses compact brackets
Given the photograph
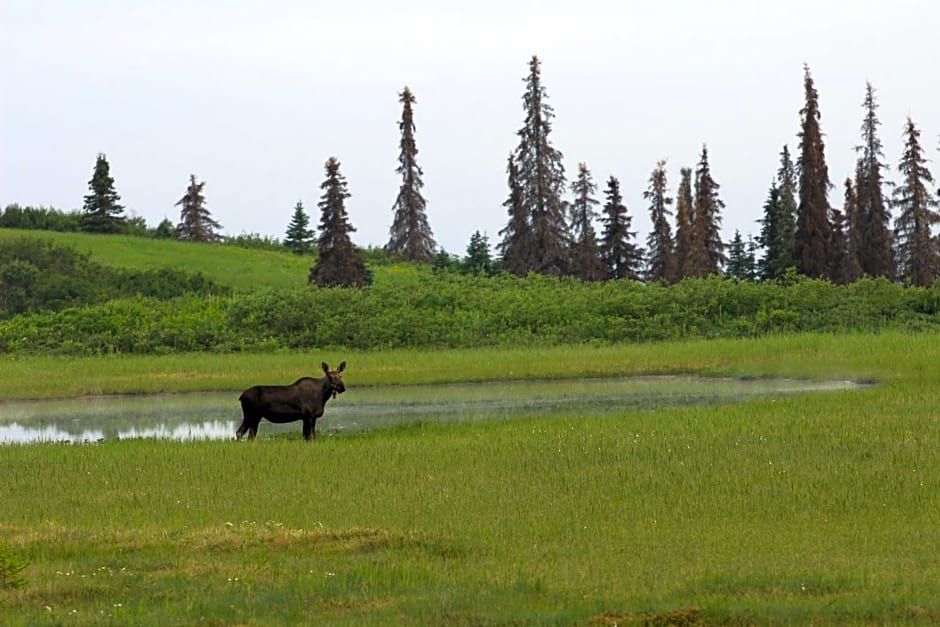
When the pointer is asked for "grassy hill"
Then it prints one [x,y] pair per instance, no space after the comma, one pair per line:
[240,268]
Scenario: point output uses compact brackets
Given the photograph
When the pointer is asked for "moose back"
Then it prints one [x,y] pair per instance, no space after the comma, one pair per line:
[305,400]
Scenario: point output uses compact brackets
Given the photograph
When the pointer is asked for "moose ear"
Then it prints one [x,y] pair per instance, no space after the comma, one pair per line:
[342,367]
[326,368]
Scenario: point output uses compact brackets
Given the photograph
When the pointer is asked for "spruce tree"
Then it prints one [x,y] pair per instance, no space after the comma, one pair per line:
[620,255]
[478,260]
[741,262]
[516,246]
[851,270]
[660,262]
[787,182]
[769,236]
[585,257]
[101,211]
[917,214]
[443,261]
[776,235]
[685,234]
[778,224]
[410,234]
[708,251]
[339,262]
[299,236]
[839,260]
[812,240]
[541,177]
[196,223]
[873,218]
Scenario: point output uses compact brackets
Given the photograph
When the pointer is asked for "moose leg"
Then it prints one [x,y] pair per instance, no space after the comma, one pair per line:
[313,424]
[249,424]
[253,427]
[243,427]
[310,428]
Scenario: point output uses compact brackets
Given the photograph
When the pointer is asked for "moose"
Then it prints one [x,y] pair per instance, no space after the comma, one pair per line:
[304,400]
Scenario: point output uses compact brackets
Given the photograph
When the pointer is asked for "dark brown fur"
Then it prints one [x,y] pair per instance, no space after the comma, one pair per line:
[304,400]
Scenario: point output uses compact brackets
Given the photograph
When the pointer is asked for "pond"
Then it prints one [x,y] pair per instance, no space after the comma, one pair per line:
[216,415]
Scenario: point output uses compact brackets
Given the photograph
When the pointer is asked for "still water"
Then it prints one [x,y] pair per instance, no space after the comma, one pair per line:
[216,415]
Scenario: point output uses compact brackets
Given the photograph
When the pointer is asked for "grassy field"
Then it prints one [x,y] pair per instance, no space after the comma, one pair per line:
[819,509]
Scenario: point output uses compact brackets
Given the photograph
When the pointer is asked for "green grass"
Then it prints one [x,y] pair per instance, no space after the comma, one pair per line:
[817,509]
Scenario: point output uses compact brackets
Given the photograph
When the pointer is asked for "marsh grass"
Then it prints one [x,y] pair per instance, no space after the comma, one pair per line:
[815,509]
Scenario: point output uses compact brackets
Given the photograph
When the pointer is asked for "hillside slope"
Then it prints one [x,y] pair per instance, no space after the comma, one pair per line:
[240,268]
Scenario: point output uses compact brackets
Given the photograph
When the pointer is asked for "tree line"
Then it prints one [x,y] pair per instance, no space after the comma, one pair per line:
[553,233]
[801,232]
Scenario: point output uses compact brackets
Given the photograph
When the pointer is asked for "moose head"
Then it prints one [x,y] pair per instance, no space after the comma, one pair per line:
[334,378]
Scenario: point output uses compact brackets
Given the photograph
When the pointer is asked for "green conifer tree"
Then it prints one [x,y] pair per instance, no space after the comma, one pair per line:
[708,251]
[516,247]
[299,236]
[839,260]
[585,256]
[660,261]
[541,178]
[410,238]
[813,237]
[872,218]
[101,212]
[339,262]
[917,214]
[741,261]
[621,257]
[478,260]
[850,270]
[769,236]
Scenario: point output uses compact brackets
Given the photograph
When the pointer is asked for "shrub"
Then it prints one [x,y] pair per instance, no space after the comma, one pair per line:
[11,568]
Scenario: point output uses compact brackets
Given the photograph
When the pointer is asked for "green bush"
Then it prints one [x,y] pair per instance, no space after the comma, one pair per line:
[39,218]
[425,309]
[40,276]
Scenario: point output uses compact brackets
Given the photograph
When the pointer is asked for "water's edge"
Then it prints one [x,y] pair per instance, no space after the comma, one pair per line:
[215,415]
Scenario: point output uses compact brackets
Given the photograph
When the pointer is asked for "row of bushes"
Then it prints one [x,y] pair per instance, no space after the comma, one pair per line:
[448,310]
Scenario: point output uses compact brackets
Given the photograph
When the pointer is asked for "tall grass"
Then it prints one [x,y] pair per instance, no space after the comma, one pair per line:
[816,509]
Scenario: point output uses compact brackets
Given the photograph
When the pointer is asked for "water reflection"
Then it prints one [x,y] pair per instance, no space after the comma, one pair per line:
[167,416]
[216,415]
[213,430]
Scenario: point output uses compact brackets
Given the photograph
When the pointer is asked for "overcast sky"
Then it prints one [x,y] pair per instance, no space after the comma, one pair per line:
[254,96]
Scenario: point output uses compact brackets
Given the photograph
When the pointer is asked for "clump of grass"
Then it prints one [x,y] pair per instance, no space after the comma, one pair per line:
[11,568]
[672,618]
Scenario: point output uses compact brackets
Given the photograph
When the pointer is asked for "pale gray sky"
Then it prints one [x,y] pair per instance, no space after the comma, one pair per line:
[253,96]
